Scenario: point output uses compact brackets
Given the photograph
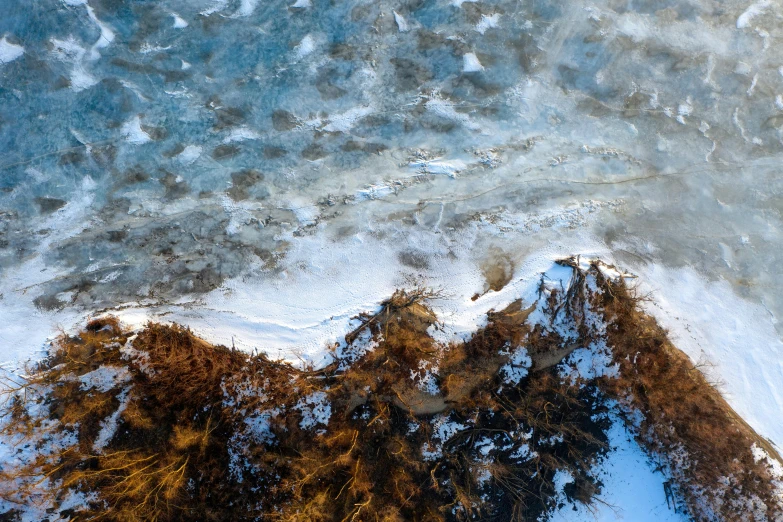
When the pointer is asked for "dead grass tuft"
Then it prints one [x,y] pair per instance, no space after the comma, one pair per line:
[687,426]
[400,429]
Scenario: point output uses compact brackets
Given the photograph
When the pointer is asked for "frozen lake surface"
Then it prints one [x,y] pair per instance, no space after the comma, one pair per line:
[264,171]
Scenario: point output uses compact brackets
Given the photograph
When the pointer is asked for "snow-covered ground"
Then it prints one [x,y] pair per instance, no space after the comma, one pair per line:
[264,171]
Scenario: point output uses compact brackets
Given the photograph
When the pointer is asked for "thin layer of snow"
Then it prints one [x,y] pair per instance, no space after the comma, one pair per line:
[315,409]
[105,378]
[517,366]
[446,109]
[110,424]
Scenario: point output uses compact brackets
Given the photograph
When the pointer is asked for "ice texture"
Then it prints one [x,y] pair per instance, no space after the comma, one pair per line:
[264,171]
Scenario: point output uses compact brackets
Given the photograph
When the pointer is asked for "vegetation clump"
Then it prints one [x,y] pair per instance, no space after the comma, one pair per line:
[718,466]
[160,425]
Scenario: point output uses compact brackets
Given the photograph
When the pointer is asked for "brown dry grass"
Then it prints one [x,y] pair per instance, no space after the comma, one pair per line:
[188,446]
[187,406]
[687,425]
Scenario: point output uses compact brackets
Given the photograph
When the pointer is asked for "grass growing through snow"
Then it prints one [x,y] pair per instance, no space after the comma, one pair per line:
[159,425]
[686,424]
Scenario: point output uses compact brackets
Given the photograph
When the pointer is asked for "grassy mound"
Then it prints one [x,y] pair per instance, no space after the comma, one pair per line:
[159,425]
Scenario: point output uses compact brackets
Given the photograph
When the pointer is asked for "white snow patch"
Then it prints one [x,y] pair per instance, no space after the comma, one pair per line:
[470,63]
[402,25]
[260,426]
[425,378]
[109,425]
[589,363]
[246,8]
[305,47]
[305,211]
[239,213]
[81,79]
[70,51]
[488,22]
[517,366]
[443,430]
[132,132]
[631,489]
[179,22]
[217,6]
[752,12]
[106,37]
[439,167]
[241,134]
[378,191]
[302,4]
[8,51]
[345,121]
[189,154]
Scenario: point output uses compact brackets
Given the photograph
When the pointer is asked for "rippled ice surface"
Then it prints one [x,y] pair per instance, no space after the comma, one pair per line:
[266,170]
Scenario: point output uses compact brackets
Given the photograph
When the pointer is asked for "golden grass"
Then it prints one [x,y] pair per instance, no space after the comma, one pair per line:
[188,447]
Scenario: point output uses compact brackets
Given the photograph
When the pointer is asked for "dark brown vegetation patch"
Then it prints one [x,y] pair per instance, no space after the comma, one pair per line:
[160,425]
